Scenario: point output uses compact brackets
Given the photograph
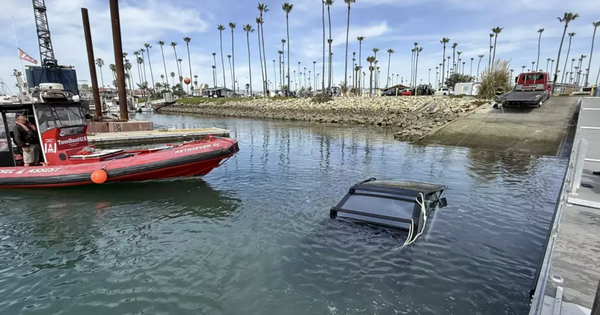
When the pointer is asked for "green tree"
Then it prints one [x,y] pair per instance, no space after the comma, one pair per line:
[248,29]
[287,8]
[232,26]
[444,41]
[148,46]
[329,3]
[458,78]
[161,44]
[187,43]
[100,64]
[496,31]
[348,2]
[567,18]
[587,76]
[390,52]
[567,59]
[371,60]
[541,30]
[221,28]
[263,8]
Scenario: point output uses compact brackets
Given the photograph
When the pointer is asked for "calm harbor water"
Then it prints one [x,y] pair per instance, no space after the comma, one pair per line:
[254,236]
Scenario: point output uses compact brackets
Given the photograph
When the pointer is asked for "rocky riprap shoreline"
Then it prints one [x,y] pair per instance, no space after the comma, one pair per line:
[413,117]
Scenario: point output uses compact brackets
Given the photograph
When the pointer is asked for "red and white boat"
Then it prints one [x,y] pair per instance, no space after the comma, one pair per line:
[69,160]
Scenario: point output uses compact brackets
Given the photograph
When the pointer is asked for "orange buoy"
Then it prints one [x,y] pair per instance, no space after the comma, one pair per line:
[187,80]
[99,176]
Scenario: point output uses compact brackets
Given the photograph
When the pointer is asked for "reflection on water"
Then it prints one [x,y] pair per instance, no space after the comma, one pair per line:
[254,236]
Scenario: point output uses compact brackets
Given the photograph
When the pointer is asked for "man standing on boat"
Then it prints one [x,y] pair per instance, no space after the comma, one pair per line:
[27,139]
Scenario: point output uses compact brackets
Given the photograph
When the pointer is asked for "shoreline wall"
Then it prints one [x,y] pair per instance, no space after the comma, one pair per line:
[412,117]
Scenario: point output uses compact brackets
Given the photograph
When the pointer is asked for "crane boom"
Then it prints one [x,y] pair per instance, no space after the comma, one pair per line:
[43,31]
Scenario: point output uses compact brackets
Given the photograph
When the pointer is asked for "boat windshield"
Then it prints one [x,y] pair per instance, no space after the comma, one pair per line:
[3,137]
[59,116]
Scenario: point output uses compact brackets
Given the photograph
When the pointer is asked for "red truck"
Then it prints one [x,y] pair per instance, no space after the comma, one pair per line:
[532,89]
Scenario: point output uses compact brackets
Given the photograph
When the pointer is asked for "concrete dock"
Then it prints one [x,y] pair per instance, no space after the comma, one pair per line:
[153,136]
[530,130]
[570,271]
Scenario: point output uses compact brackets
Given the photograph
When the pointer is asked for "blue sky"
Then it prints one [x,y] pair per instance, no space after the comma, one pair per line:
[394,24]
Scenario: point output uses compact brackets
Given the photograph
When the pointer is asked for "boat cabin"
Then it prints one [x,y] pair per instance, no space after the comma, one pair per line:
[400,205]
[60,124]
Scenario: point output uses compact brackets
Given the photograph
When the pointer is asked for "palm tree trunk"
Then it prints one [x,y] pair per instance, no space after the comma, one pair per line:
[444,64]
[346,56]
[453,60]
[412,65]
[495,44]
[387,82]
[101,76]
[490,56]
[324,60]
[280,74]
[370,82]
[189,65]
[359,62]
[262,71]
[233,60]
[287,23]
[230,71]
[262,35]
[559,51]
[589,68]
[330,53]
[162,52]
[537,63]
[249,61]
[176,62]
[222,59]
[566,60]
[471,69]
[274,76]
[478,64]
[416,72]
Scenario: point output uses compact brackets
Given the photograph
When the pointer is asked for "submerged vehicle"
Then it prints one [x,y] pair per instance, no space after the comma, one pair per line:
[68,160]
[403,205]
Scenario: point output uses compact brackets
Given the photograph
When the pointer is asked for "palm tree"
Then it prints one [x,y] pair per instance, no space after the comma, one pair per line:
[330,75]
[390,52]
[214,69]
[161,43]
[349,2]
[567,59]
[444,41]
[173,78]
[162,77]
[221,28]
[281,70]
[471,68]
[567,18]
[187,43]
[458,53]
[478,64]
[370,60]
[541,30]
[453,57]
[491,47]
[173,44]
[100,63]
[329,3]
[148,46]
[113,69]
[248,29]
[262,8]
[315,74]
[323,61]
[413,55]
[287,8]
[419,50]
[230,70]
[547,62]
[360,39]
[262,71]
[587,76]
[232,26]
[496,31]
[375,50]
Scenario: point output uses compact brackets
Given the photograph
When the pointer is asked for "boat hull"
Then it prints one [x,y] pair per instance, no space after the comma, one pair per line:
[184,161]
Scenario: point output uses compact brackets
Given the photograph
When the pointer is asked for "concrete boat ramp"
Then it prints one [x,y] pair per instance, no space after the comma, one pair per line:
[153,136]
[530,130]
[569,276]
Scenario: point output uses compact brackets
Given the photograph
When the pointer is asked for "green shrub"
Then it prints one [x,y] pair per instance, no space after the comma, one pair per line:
[494,79]
[321,98]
